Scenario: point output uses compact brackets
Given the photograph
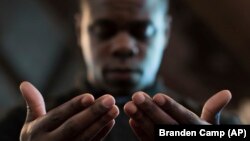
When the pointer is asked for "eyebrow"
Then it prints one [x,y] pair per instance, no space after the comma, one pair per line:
[109,20]
[132,4]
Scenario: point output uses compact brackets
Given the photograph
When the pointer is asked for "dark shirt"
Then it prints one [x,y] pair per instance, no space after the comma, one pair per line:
[11,125]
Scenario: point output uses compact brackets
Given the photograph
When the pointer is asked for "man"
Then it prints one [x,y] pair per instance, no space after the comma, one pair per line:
[122,43]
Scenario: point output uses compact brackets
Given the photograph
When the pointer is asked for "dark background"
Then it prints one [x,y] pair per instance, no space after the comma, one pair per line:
[208,50]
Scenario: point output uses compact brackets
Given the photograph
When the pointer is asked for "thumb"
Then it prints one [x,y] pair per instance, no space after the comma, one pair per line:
[214,105]
[34,101]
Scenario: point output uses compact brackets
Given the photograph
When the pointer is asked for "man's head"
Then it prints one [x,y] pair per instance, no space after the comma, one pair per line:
[123,42]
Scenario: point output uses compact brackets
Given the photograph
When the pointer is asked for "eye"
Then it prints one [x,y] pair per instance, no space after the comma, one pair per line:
[103,29]
[142,30]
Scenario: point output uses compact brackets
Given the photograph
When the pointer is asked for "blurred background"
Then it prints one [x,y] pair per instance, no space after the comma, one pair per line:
[208,50]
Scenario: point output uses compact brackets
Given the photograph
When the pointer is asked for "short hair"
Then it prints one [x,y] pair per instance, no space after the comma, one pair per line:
[79,3]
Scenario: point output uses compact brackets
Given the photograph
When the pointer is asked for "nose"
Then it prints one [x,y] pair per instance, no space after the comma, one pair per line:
[124,46]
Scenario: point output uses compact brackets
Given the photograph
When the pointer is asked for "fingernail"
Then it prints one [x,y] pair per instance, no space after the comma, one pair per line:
[139,98]
[108,102]
[159,100]
[113,112]
[86,101]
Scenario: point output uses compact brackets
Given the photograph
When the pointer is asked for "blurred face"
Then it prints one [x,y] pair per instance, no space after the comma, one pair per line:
[123,42]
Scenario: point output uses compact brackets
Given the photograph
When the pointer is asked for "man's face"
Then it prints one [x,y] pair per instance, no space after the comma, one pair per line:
[123,42]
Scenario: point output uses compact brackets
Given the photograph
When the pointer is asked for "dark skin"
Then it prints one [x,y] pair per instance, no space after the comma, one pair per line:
[82,118]
[145,112]
[122,43]
[121,62]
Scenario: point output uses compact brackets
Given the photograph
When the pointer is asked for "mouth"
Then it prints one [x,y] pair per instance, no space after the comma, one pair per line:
[122,74]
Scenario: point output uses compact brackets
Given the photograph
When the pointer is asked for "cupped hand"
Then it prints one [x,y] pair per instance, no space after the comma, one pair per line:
[81,118]
[145,112]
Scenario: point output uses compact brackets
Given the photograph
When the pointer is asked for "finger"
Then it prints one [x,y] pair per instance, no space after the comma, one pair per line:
[81,121]
[60,114]
[153,111]
[105,131]
[34,101]
[97,128]
[181,114]
[215,105]
[139,117]
[139,133]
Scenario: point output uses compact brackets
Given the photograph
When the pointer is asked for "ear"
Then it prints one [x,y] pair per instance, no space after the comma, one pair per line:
[78,20]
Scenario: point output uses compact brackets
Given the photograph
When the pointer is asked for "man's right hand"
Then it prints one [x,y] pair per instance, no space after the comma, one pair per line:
[82,118]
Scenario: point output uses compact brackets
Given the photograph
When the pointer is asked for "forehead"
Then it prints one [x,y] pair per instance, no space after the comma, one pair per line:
[122,9]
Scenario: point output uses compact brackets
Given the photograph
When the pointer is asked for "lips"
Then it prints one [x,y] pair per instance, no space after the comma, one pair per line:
[122,74]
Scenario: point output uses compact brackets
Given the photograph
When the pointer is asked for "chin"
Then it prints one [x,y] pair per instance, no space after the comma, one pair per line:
[122,87]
